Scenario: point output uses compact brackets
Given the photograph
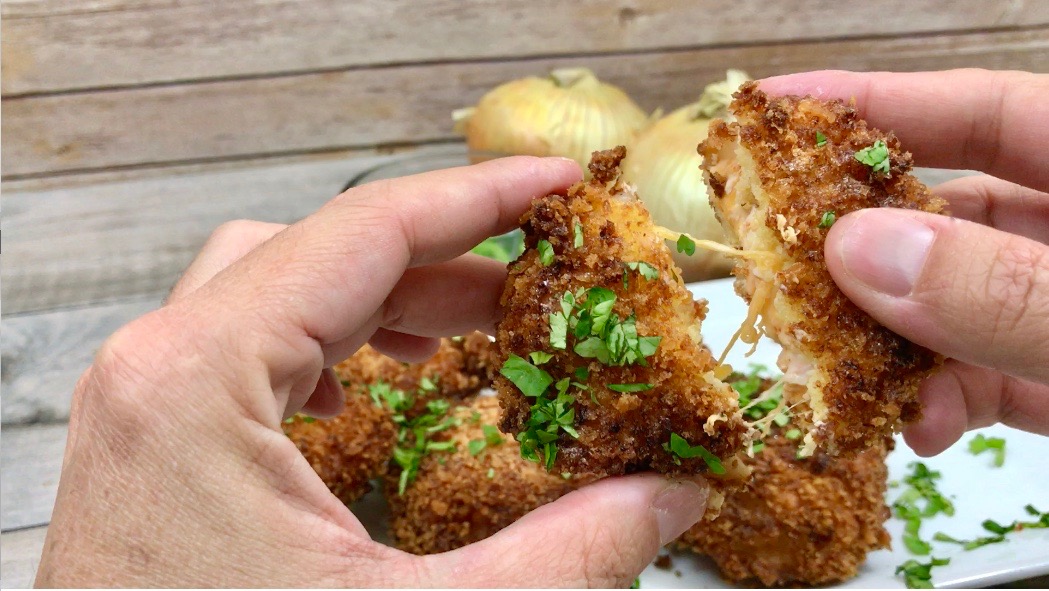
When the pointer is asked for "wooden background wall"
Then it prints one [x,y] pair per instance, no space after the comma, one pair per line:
[132,128]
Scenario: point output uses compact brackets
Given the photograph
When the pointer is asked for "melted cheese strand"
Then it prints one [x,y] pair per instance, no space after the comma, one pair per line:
[755,255]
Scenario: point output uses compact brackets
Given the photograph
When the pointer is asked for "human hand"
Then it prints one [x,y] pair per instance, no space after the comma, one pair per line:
[974,287]
[177,472]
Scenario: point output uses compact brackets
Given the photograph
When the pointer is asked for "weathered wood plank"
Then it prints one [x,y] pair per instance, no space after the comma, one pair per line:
[44,355]
[19,557]
[51,45]
[31,464]
[44,134]
[66,243]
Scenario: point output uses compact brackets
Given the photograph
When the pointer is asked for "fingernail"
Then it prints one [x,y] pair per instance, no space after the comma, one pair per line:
[885,250]
[678,507]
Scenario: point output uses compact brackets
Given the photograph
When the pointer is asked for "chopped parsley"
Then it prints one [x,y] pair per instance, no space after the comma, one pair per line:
[998,530]
[918,575]
[529,379]
[875,156]
[492,438]
[980,444]
[599,333]
[491,473]
[636,584]
[686,245]
[549,417]
[577,239]
[828,219]
[748,388]
[647,271]
[413,433]
[629,387]
[920,500]
[680,449]
[757,446]
[793,434]
[546,253]
[540,357]
[821,140]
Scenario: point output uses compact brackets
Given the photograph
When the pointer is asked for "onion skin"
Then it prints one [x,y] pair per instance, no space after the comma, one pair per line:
[569,113]
[662,163]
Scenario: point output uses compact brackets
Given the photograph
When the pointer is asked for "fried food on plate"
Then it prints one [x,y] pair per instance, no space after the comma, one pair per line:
[461,367]
[799,522]
[354,447]
[779,175]
[604,370]
[469,494]
[349,450]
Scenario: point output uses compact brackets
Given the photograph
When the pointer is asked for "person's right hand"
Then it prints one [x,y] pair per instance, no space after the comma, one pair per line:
[974,287]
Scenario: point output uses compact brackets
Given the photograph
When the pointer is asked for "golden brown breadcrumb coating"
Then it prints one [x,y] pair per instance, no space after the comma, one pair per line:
[800,522]
[618,432]
[776,187]
[354,447]
[348,450]
[460,368]
[459,498]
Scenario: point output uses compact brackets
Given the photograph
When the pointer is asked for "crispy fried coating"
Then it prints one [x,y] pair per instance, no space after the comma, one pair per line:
[460,368]
[618,432]
[454,502]
[349,450]
[354,447]
[799,522]
[774,187]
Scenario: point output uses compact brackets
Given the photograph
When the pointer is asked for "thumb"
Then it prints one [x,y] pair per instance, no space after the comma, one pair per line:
[961,289]
[602,535]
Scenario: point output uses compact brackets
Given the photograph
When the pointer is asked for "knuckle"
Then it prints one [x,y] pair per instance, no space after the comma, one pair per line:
[1012,286]
[125,361]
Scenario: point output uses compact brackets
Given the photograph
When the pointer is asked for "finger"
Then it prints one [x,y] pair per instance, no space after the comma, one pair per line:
[328,398]
[999,204]
[962,397]
[964,290]
[452,298]
[322,279]
[977,119]
[228,243]
[602,535]
[404,347]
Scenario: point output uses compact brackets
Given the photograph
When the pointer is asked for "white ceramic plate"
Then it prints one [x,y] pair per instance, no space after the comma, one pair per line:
[979,490]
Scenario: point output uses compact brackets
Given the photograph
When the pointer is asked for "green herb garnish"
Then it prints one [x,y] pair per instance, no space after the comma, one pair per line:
[686,245]
[540,357]
[492,437]
[546,253]
[577,240]
[549,417]
[680,449]
[629,387]
[875,156]
[491,473]
[821,140]
[1000,531]
[828,219]
[920,500]
[980,444]
[918,575]
[529,379]
[413,433]
[647,271]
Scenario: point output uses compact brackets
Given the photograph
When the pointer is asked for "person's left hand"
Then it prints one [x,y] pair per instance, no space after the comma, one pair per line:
[177,472]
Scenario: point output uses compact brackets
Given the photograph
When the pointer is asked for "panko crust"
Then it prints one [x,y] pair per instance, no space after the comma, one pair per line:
[453,502]
[871,375]
[459,369]
[348,450]
[799,522]
[351,449]
[618,432]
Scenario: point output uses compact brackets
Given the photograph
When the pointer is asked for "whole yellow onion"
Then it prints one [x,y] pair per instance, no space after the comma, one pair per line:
[662,163]
[569,113]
